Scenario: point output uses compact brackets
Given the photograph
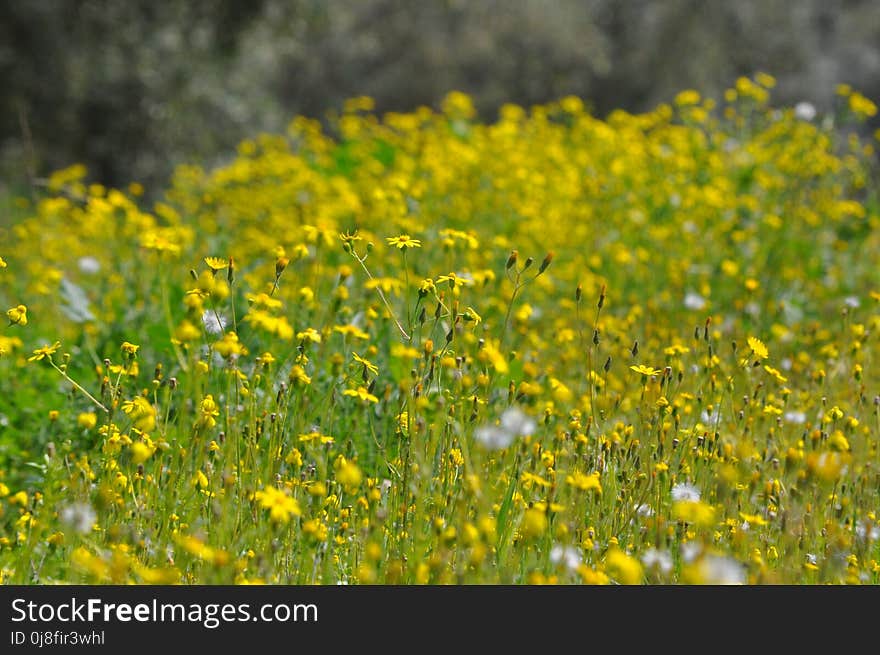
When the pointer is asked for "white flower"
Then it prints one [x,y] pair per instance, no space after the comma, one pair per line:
[79,517]
[685,491]
[717,570]
[694,301]
[515,421]
[660,559]
[690,550]
[214,323]
[706,417]
[797,418]
[89,264]
[866,531]
[805,111]
[567,555]
[852,301]
[493,437]
[644,510]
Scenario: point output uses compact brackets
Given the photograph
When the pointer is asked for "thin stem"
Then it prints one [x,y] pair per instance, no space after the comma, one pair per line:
[77,386]
[382,296]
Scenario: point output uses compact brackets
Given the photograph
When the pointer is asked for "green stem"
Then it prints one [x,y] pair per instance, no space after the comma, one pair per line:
[77,386]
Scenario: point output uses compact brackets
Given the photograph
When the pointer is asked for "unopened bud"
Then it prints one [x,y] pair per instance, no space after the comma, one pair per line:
[544,264]
[511,259]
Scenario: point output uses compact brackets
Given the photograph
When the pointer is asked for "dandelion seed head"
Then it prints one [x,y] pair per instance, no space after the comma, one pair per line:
[694,301]
[657,559]
[493,437]
[720,570]
[568,556]
[805,111]
[88,264]
[684,491]
[79,517]
[213,323]
[515,421]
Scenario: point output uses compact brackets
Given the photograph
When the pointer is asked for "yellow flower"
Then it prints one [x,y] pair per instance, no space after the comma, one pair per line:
[696,512]
[309,334]
[140,452]
[216,263]
[362,393]
[584,482]
[87,420]
[316,436]
[368,365]
[141,413]
[2,263]
[17,315]
[645,370]
[454,280]
[404,241]
[347,474]
[758,348]
[470,314]
[281,506]
[861,106]
[351,330]
[298,375]
[45,351]
[534,523]
[200,480]
[753,519]
[229,346]
[687,98]
[129,348]
[208,412]
[200,549]
[622,567]
[7,344]
[776,374]
[19,498]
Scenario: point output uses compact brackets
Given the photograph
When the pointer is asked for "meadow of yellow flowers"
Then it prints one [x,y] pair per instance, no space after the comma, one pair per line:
[423,349]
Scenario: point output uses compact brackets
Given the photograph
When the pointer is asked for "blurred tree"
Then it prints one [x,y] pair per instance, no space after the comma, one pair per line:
[132,88]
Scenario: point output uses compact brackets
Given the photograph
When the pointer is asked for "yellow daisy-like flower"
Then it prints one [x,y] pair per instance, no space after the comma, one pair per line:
[2,263]
[585,482]
[216,263]
[454,280]
[370,366]
[45,351]
[129,348]
[362,393]
[17,315]
[645,370]
[403,241]
[281,506]
[758,348]
[309,334]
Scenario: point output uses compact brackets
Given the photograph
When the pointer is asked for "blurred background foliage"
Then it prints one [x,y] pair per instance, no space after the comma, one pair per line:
[133,88]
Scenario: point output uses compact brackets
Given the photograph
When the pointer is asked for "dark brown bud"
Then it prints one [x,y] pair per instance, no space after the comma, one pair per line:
[544,264]
[511,259]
